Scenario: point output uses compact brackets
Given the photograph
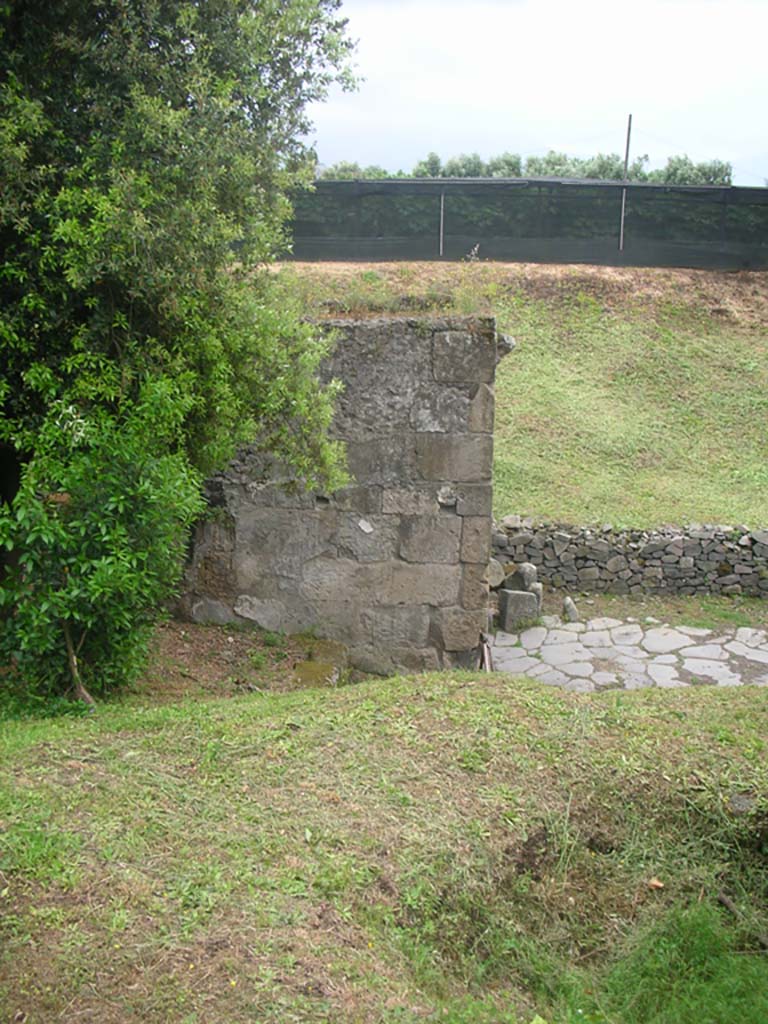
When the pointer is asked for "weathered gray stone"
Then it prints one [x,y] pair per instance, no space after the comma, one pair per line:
[440,409]
[386,459]
[537,589]
[410,501]
[475,539]
[523,576]
[494,574]
[664,640]
[474,588]
[208,610]
[464,356]
[402,626]
[516,606]
[533,638]
[460,629]
[465,458]
[432,539]
[570,611]
[474,499]
[481,409]
[368,539]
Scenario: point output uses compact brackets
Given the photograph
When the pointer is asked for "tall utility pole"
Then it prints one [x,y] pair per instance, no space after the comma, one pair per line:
[624,190]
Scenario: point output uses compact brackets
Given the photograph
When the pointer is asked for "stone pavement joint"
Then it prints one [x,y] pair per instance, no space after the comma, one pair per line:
[605,653]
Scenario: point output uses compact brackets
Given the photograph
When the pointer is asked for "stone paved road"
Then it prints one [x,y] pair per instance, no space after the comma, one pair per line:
[604,654]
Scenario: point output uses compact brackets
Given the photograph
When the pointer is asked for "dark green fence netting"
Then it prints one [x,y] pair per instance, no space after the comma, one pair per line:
[545,221]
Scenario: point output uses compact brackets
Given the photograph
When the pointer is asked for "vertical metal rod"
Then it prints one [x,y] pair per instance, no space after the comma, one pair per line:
[442,222]
[624,190]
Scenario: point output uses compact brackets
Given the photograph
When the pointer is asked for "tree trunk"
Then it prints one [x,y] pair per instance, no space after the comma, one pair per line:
[80,691]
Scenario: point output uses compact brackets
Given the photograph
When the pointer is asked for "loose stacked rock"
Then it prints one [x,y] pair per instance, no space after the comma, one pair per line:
[694,560]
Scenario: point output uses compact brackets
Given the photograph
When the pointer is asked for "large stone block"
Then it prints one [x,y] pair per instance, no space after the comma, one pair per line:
[474,587]
[278,542]
[270,613]
[463,458]
[386,459]
[459,629]
[430,538]
[437,408]
[368,538]
[476,539]
[436,585]
[516,606]
[474,499]
[367,500]
[399,627]
[410,501]
[481,409]
[464,356]
[379,583]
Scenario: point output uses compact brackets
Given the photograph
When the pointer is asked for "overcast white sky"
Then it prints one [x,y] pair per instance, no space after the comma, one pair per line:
[459,76]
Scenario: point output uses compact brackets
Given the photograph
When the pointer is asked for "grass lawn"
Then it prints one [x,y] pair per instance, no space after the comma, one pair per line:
[463,848]
[228,844]
[636,397]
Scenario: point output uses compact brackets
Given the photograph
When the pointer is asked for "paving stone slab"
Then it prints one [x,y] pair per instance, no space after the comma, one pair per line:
[751,653]
[627,634]
[664,640]
[751,637]
[604,623]
[595,638]
[711,669]
[606,653]
[533,638]
[554,678]
[506,639]
[664,675]
[519,666]
[561,654]
[712,651]
[584,669]
[605,680]
[560,636]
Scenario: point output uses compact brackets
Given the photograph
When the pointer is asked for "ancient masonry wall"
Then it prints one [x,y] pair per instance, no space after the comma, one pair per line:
[394,565]
[694,560]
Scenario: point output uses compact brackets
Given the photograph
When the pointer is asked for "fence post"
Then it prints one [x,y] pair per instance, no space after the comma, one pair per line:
[442,223]
[624,190]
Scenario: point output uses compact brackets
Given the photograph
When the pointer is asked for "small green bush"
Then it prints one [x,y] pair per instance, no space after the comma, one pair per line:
[99,527]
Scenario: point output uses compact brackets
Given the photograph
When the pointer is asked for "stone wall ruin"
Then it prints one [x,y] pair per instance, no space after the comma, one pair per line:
[394,565]
[697,559]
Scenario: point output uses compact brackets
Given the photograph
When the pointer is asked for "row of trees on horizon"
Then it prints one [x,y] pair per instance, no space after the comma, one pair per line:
[678,170]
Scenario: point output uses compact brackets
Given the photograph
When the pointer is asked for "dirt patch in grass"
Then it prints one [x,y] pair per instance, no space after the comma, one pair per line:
[739,297]
[188,660]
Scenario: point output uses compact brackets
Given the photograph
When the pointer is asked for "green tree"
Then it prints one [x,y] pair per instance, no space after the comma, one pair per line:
[681,170]
[505,165]
[146,149]
[431,167]
[466,165]
[346,170]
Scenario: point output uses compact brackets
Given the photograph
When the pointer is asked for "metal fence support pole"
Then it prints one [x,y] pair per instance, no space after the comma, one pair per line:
[442,223]
[624,190]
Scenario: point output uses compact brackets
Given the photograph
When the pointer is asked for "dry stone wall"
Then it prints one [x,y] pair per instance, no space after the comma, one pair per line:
[694,560]
[393,565]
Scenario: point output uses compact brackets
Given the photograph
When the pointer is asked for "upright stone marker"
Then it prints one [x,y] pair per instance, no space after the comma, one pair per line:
[394,565]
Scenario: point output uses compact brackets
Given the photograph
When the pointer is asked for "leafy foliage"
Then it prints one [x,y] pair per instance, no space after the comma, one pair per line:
[146,150]
[679,170]
[99,523]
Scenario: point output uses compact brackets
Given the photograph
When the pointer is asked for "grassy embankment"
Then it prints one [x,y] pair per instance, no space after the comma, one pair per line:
[461,848]
[464,849]
[636,397]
